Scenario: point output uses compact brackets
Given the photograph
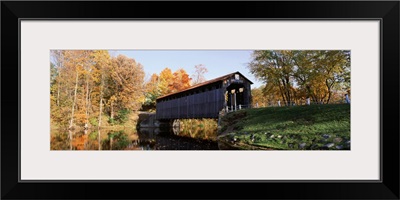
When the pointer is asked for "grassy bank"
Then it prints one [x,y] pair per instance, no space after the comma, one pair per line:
[312,127]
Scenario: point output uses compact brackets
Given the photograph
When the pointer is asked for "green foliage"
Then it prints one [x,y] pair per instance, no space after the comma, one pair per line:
[119,139]
[94,121]
[122,116]
[111,121]
[93,135]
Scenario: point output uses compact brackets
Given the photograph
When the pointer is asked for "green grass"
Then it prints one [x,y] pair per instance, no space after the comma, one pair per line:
[290,127]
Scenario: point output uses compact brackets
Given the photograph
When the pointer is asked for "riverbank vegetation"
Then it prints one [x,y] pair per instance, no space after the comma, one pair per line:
[311,127]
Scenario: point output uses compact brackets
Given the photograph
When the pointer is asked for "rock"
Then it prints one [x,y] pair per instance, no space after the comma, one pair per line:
[337,140]
[234,140]
[290,146]
[326,136]
[329,145]
[339,147]
[302,145]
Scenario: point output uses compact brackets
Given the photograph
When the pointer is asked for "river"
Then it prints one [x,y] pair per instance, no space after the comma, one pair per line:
[140,139]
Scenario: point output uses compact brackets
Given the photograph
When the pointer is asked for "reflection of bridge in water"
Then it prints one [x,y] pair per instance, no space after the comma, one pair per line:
[172,139]
[205,100]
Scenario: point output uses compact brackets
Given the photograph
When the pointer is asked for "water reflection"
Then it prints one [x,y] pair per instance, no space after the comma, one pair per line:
[176,138]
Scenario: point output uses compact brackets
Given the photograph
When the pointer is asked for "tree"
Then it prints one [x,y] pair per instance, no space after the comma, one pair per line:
[152,91]
[127,91]
[181,80]
[302,74]
[258,98]
[276,68]
[75,62]
[320,72]
[85,84]
[166,81]
[198,76]
[335,69]
[100,75]
[164,84]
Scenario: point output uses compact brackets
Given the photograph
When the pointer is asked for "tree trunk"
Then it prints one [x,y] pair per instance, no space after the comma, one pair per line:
[282,93]
[112,110]
[59,75]
[329,86]
[329,97]
[58,95]
[87,102]
[73,104]
[101,99]
[99,137]
[70,139]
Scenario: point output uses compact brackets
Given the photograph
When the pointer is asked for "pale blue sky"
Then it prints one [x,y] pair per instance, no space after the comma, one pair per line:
[218,62]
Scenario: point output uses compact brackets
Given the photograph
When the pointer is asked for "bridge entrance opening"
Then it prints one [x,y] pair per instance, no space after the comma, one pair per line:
[235,96]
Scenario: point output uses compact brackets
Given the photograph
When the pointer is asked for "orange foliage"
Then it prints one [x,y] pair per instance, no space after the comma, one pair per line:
[79,142]
[181,80]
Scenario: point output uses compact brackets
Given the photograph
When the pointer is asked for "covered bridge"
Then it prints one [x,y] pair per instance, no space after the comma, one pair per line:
[207,99]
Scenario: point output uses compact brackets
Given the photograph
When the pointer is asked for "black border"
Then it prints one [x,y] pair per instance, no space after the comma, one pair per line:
[387,12]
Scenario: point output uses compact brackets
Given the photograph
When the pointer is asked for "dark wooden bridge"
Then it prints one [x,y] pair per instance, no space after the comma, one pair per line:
[207,99]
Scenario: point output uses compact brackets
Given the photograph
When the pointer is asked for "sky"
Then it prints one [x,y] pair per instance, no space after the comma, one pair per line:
[217,62]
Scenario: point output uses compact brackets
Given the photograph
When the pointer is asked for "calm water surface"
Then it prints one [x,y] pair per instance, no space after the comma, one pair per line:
[141,139]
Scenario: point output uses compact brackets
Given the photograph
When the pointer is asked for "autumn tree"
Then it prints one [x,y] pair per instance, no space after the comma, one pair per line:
[126,91]
[152,91]
[320,73]
[258,98]
[173,82]
[166,81]
[275,68]
[76,64]
[302,74]
[100,76]
[198,76]
[84,84]
[181,80]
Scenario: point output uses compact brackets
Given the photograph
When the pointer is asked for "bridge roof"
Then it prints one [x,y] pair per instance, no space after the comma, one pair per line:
[207,83]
